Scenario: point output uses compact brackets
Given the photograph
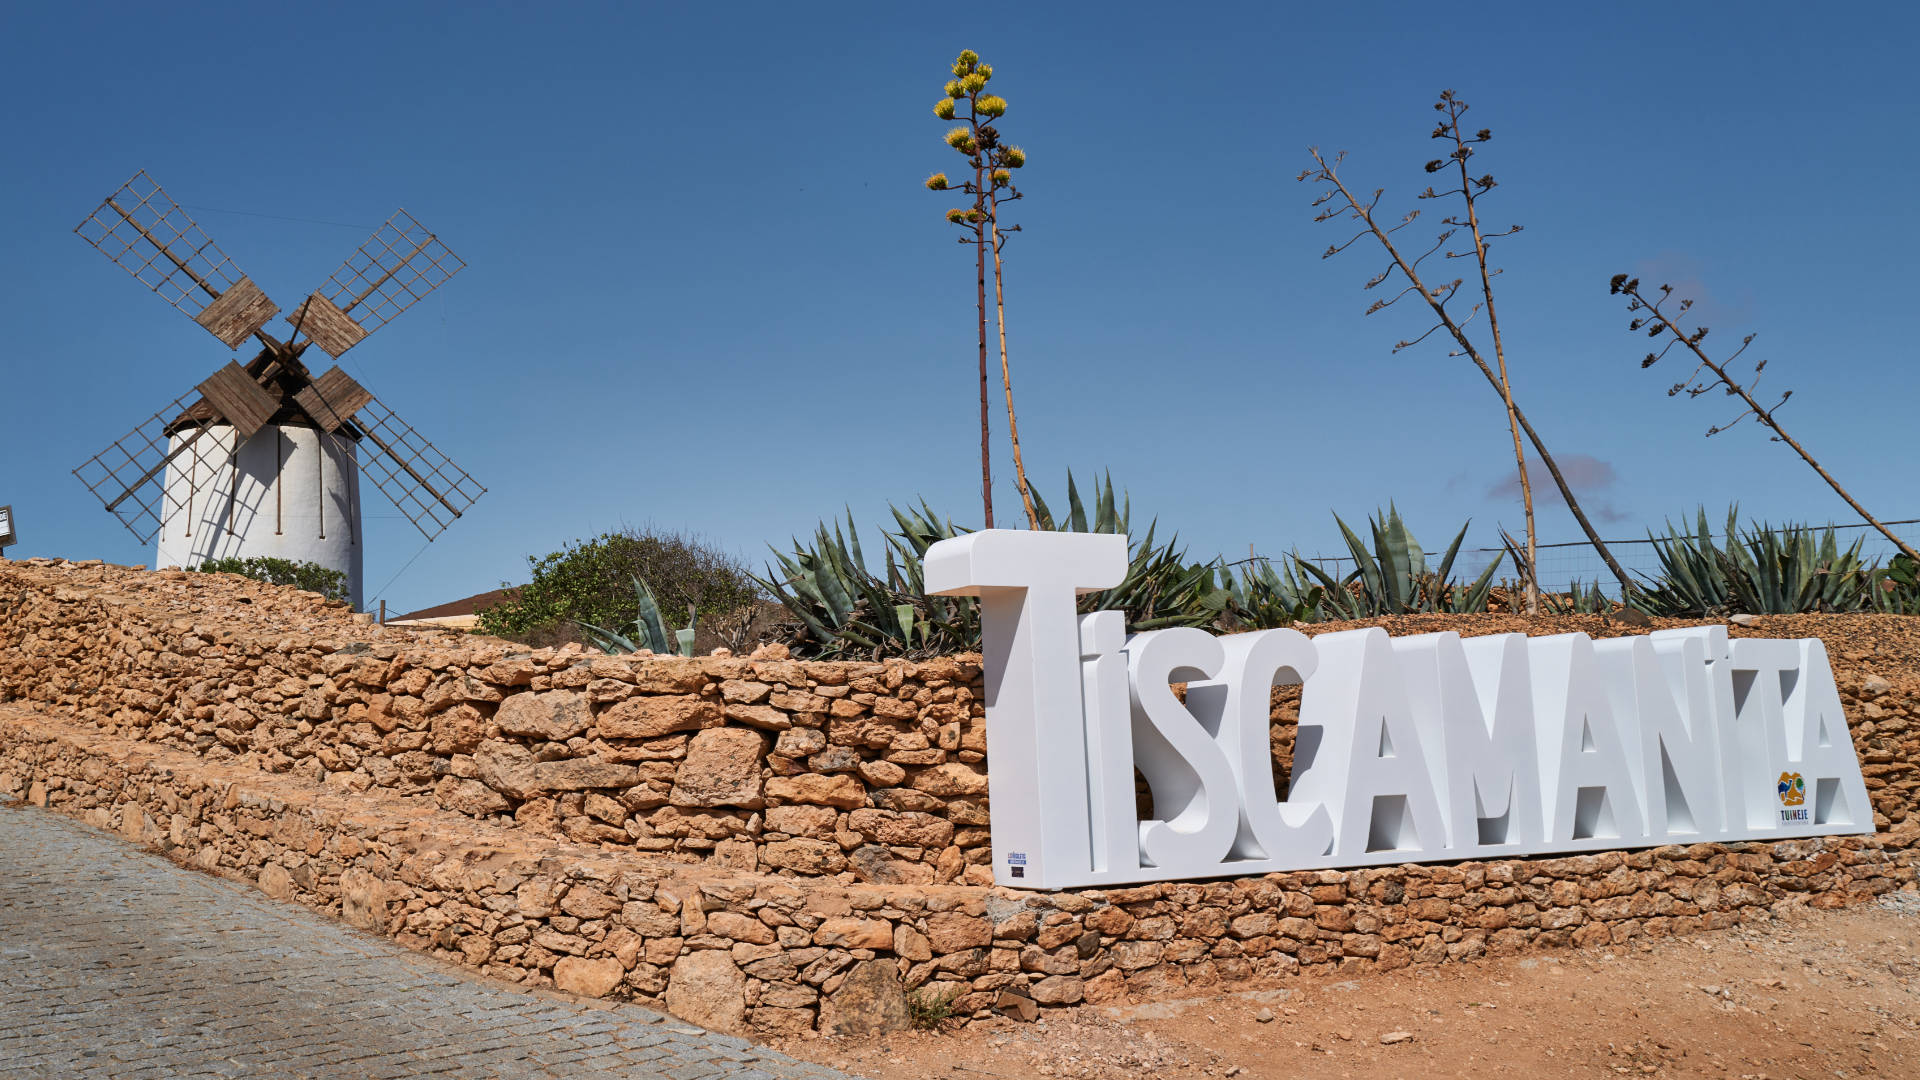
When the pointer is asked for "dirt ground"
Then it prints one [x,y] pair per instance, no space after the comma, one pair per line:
[1812,994]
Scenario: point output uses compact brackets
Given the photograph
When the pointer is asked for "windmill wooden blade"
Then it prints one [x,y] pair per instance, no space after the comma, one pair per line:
[411,472]
[236,398]
[146,234]
[332,399]
[130,476]
[399,265]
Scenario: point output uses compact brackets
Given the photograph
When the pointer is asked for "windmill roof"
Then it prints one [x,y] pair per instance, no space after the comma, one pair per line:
[283,383]
[471,605]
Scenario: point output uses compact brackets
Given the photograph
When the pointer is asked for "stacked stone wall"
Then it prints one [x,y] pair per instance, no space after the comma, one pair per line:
[367,771]
[874,770]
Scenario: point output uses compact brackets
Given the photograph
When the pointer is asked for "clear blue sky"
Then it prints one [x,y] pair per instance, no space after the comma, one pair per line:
[707,290]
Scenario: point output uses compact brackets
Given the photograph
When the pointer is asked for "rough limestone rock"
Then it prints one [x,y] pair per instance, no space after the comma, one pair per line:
[949,780]
[669,675]
[871,862]
[470,797]
[556,715]
[951,931]
[760,716]
[275,881]
[851,933]
[744,692]
[583,774]
[652,717]
[804,856]
[799,742]
[882,774]
[362,900]
[707,988]
[842,791]
[742,855]
[722,769]
[1018,1006]
[593,978]
[738,927]
[586,902]
[799,820]
[911,944]
[1058,990]
[893,827]
[511,770]
[870,1002]
[506,768]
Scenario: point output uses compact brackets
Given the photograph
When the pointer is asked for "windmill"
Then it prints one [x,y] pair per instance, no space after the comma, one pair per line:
[265,459]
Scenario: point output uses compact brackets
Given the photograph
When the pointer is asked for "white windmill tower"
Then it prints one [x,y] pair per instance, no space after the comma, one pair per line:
[266,460]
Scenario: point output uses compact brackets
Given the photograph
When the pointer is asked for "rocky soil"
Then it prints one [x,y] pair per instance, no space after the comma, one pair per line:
[1810,994]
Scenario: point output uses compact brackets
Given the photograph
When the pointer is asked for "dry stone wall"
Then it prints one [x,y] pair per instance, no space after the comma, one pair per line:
[874,771]
[631,829]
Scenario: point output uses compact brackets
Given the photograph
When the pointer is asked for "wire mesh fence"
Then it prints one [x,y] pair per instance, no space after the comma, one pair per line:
[1564,562]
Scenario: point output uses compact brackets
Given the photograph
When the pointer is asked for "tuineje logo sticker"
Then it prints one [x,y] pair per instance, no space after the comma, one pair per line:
[1793,796]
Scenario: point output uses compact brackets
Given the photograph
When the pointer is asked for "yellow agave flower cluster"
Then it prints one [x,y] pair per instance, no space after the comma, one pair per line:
[970,78]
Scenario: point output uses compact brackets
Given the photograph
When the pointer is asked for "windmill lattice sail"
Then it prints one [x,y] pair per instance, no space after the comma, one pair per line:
[130,476]
[144,232]
[397,267]
[412,473]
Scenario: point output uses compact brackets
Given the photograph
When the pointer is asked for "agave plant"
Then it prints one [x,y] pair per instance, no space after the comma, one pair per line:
[1896,588]
[1161,588]
[1577,600]
[1792,571]
[1262,597]
[1392,577]
[647,631]
[1761,570]
[843,608]
[1106,518]
[1693,577]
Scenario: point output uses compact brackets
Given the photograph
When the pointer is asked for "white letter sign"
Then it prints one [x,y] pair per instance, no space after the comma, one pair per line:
[1414,749]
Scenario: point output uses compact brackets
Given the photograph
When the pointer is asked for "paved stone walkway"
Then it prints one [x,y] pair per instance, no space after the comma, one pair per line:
[114,962]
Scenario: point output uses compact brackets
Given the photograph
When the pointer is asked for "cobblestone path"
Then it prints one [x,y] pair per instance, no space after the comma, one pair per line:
[116,963]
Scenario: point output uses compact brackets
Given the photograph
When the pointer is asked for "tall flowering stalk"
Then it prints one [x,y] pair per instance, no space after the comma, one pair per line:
[1661,318]
[1402,272]
[993,163]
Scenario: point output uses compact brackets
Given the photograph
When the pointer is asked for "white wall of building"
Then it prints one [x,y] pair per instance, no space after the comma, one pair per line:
[290,493]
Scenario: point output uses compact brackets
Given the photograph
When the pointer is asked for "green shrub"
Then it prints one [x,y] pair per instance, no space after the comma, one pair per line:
[591,582]
[310,576]
[928,1005]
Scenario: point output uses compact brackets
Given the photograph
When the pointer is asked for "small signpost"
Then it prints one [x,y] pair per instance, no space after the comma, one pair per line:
[7,538]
